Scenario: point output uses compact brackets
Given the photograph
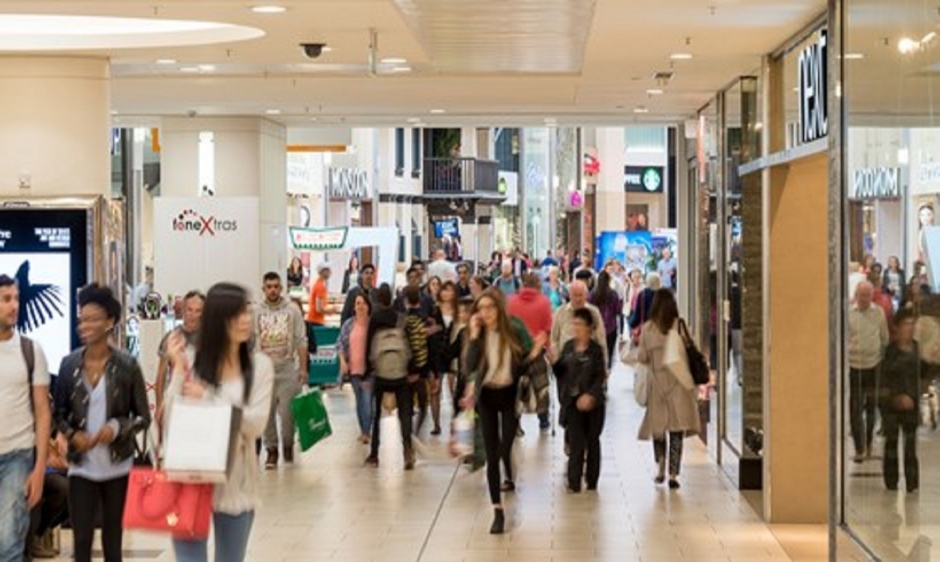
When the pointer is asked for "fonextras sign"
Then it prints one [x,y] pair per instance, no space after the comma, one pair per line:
[204,225]
[813,79]
[643,179]
[200,241]
[876,183]
[348,183]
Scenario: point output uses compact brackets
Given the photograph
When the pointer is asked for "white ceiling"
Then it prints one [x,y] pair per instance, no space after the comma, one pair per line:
[483,61]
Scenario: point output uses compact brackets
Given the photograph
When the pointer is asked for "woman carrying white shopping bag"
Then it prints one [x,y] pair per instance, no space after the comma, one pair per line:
[225,370]
[671,403]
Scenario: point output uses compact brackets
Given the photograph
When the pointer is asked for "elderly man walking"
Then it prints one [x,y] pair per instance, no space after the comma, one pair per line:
[868,338]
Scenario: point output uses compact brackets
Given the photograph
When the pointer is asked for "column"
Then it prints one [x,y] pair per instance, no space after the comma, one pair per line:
[611,199]
[250,161]
[55,145]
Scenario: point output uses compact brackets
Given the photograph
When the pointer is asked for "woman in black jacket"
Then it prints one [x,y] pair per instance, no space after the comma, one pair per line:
[901,382]
[581,366]
[100,406]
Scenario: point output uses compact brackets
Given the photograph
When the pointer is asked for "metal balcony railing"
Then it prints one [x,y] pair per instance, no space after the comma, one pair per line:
[461,176]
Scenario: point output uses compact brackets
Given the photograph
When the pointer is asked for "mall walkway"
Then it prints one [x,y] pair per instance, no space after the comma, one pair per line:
[330,507]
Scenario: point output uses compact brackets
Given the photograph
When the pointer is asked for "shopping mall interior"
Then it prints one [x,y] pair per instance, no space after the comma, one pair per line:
[770,162]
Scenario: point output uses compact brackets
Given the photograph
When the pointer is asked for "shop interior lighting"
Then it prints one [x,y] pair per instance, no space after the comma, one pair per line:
[681,56]
[268,9]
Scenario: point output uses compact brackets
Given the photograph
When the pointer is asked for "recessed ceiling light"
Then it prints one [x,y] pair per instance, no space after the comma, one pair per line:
[681,56]
[165,61]
[640,110]
[189,69]
[654,92]
[326,49]
[414,120]
[402,69]
[206,67]
[854,56]
[437,111]
[269,9]
[273,111]
[906,45]
[394,60]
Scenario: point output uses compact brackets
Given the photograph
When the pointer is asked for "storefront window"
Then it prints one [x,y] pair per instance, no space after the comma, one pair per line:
[537,184]
[891,183]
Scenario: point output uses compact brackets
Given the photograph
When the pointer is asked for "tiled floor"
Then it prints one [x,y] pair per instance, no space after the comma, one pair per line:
[330,507]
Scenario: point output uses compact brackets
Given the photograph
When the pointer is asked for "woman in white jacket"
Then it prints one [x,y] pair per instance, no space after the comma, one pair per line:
[672,407]
[226,370]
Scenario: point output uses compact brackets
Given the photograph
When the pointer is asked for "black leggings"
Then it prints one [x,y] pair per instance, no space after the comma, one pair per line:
[611,349]
[84,498]
[497,407]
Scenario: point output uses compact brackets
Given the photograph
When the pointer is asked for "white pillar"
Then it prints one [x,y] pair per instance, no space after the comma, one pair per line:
[250,161]
[611,199]
[54,126]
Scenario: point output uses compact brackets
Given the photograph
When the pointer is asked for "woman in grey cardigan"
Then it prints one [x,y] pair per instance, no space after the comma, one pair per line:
[671,408]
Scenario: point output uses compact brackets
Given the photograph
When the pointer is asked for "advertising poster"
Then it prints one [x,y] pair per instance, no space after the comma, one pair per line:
[45,250]
[200,241]
[641,250]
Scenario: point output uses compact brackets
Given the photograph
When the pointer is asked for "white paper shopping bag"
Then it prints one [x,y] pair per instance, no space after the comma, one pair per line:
[200,440]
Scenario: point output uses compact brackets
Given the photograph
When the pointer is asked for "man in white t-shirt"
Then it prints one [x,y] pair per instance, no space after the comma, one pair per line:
[24,433]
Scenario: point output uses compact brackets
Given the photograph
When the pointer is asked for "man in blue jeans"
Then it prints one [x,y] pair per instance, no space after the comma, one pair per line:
[24,433]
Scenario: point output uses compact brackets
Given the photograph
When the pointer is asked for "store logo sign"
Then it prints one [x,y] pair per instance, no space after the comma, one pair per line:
[318,238]
[814,110]
[876,183]
[930,172]
[191,221]
[644,179]
[347,183]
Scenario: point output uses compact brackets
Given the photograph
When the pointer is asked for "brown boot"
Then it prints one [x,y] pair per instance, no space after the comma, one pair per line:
[271,462]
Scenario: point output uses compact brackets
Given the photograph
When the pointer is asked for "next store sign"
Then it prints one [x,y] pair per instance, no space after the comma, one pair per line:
[643,179]
[813,89]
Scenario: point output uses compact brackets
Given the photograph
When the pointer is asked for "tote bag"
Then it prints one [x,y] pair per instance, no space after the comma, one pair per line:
[313,422]
[641,381]
[675,359]
[200,440]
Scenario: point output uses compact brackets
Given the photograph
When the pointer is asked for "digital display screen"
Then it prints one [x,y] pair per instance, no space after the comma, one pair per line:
[46,251]
[446,228]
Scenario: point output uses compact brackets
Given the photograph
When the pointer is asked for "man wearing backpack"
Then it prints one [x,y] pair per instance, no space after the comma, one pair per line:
[27,421]
[389,358]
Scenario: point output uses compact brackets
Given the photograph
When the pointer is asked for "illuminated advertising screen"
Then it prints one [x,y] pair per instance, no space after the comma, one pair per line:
[46,251]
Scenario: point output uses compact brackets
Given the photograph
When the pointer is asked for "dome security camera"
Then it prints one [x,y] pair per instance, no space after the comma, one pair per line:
[312,50]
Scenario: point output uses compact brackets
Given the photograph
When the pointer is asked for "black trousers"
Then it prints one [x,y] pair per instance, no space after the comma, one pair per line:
[84,498]
[894,423]
[584,437]
[53,510]
[497,410]
[419,390]
[403,396]
[862,388]
[675,451]
[611,349]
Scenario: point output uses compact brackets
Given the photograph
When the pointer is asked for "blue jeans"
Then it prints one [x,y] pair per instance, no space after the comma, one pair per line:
[363,390]
[231,540]
[15,467]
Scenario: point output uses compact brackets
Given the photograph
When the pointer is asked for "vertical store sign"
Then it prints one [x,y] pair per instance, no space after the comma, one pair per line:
[814,76]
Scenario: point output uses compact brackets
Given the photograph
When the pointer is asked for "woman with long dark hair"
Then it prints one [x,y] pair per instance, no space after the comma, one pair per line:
[439,327]
[354,359]
[499,348]
[295,273]
[609,303]
[671,407]
[100,407]
[226,370]
[351,275]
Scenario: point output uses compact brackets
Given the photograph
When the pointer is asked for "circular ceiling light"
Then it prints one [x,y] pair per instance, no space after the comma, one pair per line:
[33,32]
[269,9]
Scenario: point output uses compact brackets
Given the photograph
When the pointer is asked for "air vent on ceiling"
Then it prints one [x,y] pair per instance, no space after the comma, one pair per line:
[663,76]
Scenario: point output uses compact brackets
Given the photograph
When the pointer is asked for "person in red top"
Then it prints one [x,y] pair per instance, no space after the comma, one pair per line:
[535,310]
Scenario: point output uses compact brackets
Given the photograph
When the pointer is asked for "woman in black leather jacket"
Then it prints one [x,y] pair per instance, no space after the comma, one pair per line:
[100,406]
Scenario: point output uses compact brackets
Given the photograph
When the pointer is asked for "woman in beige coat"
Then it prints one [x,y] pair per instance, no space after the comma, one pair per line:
[671,408]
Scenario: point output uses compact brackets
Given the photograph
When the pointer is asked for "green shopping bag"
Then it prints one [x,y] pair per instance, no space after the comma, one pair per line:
[311,418]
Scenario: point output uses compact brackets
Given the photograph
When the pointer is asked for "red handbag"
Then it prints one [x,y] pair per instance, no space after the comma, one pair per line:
[155,504]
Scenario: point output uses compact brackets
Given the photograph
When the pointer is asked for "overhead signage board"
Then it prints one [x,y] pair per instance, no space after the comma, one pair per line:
[876,183]
[813,88]
[348,184]
[643,179]
[318,238]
